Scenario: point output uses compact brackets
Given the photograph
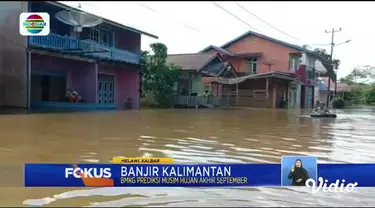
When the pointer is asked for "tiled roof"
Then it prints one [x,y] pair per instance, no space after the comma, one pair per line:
[296,47]
[228,53]
[218,49]
[343,87]
[193,61]
[289,45]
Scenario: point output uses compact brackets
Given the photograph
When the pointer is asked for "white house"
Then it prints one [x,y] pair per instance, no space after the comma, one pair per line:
[320,94]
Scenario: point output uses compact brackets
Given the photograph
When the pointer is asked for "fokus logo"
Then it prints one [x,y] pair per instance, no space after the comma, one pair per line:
[88,172]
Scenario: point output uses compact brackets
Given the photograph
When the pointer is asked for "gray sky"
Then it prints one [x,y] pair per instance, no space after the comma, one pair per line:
[187,27]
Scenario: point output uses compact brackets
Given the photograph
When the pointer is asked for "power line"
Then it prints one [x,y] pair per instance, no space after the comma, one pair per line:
[274,27]
[233,15]
[321,44]
[265,22]
[242,7]
[184,24]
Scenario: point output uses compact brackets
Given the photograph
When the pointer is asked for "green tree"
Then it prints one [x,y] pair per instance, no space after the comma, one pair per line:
[336,63]
[369,97]
[364,74]
[327,63]
[158,77]
[361,82]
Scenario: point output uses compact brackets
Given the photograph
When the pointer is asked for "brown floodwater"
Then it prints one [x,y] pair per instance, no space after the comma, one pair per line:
[188,136]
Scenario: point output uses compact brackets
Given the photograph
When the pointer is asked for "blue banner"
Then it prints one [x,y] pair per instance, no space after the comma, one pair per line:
[157,175]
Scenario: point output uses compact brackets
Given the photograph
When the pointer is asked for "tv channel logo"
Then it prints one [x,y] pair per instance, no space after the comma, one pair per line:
[34,24]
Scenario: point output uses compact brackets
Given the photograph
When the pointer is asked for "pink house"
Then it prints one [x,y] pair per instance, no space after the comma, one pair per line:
[101,64]
[253,54]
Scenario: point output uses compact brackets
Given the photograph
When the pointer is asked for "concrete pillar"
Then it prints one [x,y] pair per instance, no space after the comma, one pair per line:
[316,94]
[298,95]
[96,71]
[273,96]
[291,95]
[28,80]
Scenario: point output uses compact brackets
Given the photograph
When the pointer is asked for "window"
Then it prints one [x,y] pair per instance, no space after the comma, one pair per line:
[291,64]
[94,34]
[294,62]
[252,65]
[103,37]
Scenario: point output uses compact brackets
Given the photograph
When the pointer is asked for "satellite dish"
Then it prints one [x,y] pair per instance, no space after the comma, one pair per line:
[78,19]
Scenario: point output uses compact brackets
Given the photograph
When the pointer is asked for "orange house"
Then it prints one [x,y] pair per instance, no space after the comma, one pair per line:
[255,54]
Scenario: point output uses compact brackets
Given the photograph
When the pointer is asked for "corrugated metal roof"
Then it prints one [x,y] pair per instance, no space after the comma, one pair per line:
[341,87]
[55,3]
[193,61]
[230,81]
[320,67]
[222,50]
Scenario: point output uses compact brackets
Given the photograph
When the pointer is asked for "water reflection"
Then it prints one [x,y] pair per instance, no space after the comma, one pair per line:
[189,136]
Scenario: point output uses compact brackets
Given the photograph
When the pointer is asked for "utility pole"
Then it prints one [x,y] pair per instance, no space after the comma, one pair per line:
[331,59]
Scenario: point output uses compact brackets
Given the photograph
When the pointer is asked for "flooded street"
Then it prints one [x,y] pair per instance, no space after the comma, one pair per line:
[188,136]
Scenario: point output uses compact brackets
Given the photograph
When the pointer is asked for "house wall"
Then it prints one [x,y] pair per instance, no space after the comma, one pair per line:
[13,56]
[197,84]
[271,50]
[84,81]
[238,63]
[127,40]
[126,82]
[80,75]
[294,96]
[56,26]
[323,96]
[309,61]
[312,92]
[276,91]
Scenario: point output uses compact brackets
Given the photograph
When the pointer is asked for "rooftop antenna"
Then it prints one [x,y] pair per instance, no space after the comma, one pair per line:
[78,18]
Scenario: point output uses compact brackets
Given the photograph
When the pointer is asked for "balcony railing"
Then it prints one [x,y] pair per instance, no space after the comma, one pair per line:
[84,47]
[192,101]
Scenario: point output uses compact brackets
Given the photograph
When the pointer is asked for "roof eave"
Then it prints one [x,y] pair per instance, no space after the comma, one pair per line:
[206,49]
[295,47]
[55,3]
[189,70]
[216,55]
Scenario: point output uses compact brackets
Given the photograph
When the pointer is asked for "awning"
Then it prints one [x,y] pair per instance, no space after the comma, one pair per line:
[230,81]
